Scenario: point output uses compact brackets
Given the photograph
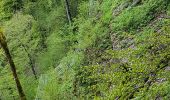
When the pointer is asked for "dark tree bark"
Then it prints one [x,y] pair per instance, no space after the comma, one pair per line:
[69,17]
[12,65]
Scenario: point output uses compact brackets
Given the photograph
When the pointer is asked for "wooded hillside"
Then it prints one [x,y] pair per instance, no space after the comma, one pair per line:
[84,49]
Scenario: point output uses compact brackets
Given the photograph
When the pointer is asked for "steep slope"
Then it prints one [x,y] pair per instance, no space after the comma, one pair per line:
[123,52]
[112,49]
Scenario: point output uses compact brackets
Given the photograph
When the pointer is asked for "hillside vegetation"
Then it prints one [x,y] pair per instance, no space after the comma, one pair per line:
[86,49]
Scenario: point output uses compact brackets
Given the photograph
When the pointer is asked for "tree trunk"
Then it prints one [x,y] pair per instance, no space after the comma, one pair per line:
[31,60]
[32,64]
[12,65]
[69,17]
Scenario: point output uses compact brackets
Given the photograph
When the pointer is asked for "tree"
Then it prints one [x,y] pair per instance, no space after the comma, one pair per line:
[31,59]
[69,17]
[8,7]
[3,43]
[21,34]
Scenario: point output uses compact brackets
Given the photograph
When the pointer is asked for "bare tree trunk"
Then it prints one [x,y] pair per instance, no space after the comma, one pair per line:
[69,17]
[12,65]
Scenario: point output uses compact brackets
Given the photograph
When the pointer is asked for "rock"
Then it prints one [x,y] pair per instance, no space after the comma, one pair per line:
[167,68]
[135,2]
[160,80]
[119,9]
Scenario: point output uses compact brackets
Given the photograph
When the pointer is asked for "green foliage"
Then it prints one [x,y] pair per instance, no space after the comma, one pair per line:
[112,50]
[23,42]
[7,85]
[135,17]
[58,83]
[8,7]
[20,34]
[55,45]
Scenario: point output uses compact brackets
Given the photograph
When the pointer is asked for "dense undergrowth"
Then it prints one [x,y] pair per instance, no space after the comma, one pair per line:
[113,49]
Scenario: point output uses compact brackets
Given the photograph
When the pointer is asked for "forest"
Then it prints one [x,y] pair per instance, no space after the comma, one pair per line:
[84,49]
